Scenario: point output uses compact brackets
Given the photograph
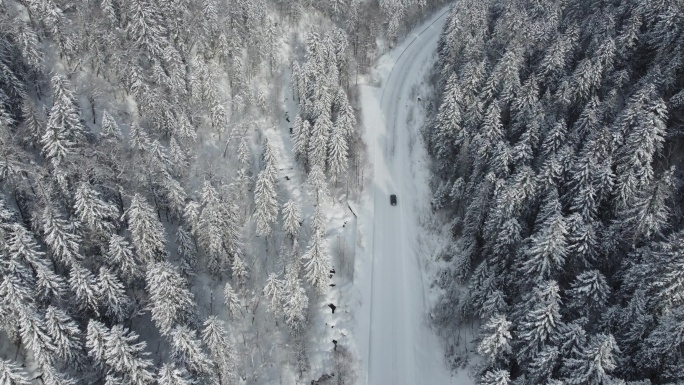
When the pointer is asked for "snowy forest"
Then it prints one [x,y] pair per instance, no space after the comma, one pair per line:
[161,220]
[557,149]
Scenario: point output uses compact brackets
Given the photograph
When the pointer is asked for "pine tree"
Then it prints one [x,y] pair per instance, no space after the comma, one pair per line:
[33,122]
[23,249]
[547,248]
[49,284]
[582,242]
[649,212]
[337,154]
[35,337]
[346,120]
[558,54]
[6,217]
[317,183]
[555,138]
[110,129]
[159,161]
[318,141]
[28,41]
[541,320]
[645,118]
[552,170]
[273,292]
[551,206]
[64,130]
[543,365]
[126,356]
[210,225]
[296,300]
[146,230]
[318,221]
[174,195]
[270,162]
[292,216]
[494,303]
[61,237]
[589,293]
[265,203]
[171,375]
[185,131]
[16,297]
[665,278]
[187,350]
[83,283]
[170,300]
[178,158]
[232,300]
[112,379]
[490,135]
[216,338]
[496,377]
[121,257]
[93,212]
[570,337]
[301,134]
[589,120]
[186,250]
[140,142]
[144,26]
[501,159]
[63,332]
[660,351]
[523,150]
[12,374]
[448,133]
[217,227]
[96,339]
[595,362]
[244,173]
[496,338]
[318,265]
[635,322]
[482,286]
[111,293]
[51,376]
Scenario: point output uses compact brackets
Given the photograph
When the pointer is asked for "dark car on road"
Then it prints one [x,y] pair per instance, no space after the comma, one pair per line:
[393,200]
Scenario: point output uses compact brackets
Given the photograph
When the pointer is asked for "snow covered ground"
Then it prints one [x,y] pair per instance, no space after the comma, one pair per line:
[392,333]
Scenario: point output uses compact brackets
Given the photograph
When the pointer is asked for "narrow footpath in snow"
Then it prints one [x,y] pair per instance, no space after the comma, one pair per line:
[393,336]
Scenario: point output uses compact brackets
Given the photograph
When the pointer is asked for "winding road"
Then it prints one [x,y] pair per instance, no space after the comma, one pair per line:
[401,348]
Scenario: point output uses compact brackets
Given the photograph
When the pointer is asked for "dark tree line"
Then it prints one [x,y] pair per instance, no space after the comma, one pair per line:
[557,146]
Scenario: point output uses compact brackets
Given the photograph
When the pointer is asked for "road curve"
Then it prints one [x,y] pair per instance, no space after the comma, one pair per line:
[401,350]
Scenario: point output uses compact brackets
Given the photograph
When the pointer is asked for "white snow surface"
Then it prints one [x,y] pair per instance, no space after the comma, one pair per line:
[392,331]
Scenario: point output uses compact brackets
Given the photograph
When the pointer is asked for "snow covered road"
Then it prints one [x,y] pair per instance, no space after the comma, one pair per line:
[401,348]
